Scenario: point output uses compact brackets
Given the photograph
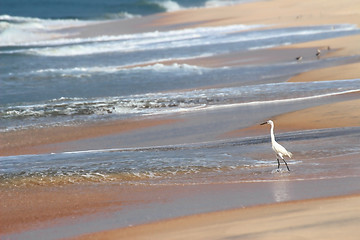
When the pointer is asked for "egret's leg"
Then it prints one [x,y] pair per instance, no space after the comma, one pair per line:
[286,164]
[278,162]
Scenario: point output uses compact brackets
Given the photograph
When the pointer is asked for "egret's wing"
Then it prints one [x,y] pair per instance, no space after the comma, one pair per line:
[280,149]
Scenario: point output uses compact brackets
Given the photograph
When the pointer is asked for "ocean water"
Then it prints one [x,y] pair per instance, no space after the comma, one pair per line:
[96,9]
[49,78]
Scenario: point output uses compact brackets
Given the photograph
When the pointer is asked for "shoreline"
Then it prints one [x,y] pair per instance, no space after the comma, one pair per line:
[20,142]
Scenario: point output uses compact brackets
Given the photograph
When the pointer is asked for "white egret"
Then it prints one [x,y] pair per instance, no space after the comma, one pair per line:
[278,149]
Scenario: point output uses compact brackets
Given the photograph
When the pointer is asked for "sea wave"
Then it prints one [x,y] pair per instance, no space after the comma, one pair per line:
[134,42]
[185,38]
[152,66]
[20,31]
[168,5]
[172,102]
[220,3]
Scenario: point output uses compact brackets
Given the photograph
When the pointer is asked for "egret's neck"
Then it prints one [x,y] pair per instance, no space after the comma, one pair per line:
[272,133]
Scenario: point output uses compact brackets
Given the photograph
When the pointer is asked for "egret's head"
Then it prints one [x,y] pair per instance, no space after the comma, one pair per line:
[268,122]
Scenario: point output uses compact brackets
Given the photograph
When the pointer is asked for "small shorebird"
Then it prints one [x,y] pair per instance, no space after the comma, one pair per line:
[299,58]
[318,52]
[278,149]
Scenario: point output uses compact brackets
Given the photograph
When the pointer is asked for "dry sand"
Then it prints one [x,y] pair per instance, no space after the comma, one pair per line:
[332,218]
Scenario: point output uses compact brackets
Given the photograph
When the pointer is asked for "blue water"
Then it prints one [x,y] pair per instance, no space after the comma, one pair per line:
[86,9]
[98,9]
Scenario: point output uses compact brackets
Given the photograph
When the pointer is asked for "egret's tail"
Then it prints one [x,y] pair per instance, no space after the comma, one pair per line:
[289,154]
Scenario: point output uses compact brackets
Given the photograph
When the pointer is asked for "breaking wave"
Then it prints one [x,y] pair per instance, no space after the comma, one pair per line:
[172,102]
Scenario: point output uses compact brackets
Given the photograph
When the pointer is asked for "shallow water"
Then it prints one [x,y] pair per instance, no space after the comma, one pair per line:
[240,160]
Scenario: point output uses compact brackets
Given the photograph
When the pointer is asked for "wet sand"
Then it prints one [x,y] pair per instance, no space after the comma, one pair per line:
[43,206]
[329,218]
[339,47]
[346,71]
[319,117]
[36,141]
[325,116]
[59,211]
[35,207]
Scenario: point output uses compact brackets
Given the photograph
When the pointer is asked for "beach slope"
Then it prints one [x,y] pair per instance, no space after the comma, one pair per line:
[331,218]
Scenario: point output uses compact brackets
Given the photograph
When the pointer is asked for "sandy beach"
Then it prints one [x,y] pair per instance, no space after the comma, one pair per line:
[330,218]
[326,211]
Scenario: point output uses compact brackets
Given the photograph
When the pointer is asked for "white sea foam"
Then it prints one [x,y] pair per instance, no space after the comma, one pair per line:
[121,15]
[187,101]
[268,46]
[282,100]
[143,66]
[220,3]
[174,39]
[15,31]
[136,42]
[168,5]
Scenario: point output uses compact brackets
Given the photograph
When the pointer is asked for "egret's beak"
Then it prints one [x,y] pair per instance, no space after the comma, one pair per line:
[263,123]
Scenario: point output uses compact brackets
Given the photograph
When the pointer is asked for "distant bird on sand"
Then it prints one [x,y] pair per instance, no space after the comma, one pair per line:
[278,149]
[318,52]
[299,58]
